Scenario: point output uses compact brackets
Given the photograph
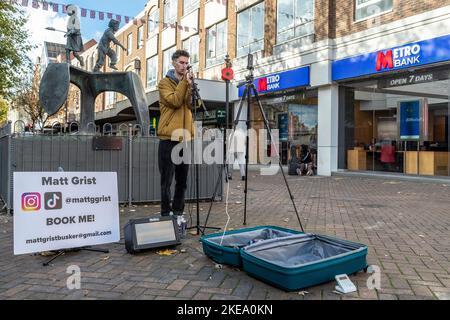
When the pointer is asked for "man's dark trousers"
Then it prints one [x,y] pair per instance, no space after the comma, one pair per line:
[167,169]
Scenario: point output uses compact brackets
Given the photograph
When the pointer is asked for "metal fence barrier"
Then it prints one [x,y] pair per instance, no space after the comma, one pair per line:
[133,157]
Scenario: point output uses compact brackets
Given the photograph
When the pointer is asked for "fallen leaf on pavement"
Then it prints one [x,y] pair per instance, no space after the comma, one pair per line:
[105,258]
[166,252]
[303,293]
[183,250]
[218,266]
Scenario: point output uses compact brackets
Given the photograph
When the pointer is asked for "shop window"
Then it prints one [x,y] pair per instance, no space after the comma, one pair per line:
[369,8]
[402,128]
[250,30]
[295,19]
[216,43]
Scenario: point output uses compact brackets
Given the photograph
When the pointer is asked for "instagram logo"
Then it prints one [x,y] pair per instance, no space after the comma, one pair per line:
[31,201]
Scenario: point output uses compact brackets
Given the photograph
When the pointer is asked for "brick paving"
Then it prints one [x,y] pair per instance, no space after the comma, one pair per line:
[406,225]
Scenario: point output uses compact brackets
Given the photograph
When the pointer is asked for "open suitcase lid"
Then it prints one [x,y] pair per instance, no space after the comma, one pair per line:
[302,249]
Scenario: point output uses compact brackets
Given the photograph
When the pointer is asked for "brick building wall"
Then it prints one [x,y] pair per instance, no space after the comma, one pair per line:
[345,13]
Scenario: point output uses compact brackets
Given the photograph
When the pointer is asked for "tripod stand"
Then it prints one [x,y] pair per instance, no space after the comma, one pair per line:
[196,101]
[63,251]
[248,91]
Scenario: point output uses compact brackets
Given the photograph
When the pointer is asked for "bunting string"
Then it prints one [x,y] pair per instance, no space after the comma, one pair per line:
[100,15]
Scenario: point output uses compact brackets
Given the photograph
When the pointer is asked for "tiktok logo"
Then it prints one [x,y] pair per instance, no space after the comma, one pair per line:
[52,200]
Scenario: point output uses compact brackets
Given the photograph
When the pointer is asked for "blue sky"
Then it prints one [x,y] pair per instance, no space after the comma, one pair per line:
[90,28]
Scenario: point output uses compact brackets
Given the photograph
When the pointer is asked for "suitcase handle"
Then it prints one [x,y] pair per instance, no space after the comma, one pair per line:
[215,251]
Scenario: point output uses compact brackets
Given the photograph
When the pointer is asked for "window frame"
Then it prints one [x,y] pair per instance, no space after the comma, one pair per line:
[191,8]
[211,61]
[155,74]
[293,29]
[151,20]
[174,48]
[190,47]
[250,24]
[140,37]
[130,43]
[366,4]
[174,18]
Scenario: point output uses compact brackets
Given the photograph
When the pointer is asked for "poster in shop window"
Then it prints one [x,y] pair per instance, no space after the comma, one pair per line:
[410,120]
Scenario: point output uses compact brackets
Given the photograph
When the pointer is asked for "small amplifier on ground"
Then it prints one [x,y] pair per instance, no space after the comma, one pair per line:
[148,233]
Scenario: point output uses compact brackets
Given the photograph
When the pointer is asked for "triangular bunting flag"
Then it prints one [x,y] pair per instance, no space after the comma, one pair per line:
[127,19]
[35,4]
[45,5]
[83,12]
[101,15]
[92,14]
[118,17]
[55,7]
[109,15]
[25,3]
[186,29]
[64,8]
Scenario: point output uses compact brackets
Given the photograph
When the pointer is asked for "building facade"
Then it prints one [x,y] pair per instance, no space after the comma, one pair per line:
[363,83]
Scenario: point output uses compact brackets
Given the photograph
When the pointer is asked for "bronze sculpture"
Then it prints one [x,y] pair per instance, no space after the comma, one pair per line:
[104,46]
[74,41]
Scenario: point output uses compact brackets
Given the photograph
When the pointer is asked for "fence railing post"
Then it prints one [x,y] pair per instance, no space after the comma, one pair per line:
[130,162]
[9,176]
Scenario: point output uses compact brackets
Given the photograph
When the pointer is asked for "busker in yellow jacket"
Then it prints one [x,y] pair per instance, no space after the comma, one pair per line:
[175,125]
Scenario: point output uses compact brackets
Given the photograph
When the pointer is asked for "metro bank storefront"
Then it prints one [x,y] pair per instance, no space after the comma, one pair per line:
[394,109]
[289,105]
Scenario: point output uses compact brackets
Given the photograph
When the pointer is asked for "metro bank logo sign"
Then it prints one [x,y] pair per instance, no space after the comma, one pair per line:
[395,58]
[280,81]
[402,57]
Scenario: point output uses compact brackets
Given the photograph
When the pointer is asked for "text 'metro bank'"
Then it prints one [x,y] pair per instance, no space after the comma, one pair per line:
[402,57]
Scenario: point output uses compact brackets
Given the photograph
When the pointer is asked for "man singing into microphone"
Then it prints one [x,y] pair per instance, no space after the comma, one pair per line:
[175,108]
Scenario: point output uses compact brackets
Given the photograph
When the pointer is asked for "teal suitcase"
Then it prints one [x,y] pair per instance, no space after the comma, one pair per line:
[227,250]
[300,261]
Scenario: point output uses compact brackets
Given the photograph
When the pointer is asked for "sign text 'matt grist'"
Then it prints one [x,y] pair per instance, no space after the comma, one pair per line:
[64,181]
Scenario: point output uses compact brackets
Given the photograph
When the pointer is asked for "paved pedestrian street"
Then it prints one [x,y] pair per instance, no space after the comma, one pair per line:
[405,224]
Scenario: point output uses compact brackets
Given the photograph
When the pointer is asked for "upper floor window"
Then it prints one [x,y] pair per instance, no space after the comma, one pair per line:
[295,18]
[118,52]
[153,23]
[368,8]
[152,71]
[170,11]
[189,6]
[191,45]
[250,30]
[167,60]
[216,43]
[129,43]
[140,37]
